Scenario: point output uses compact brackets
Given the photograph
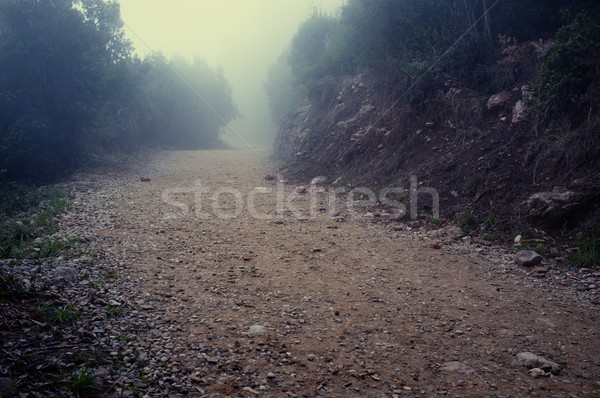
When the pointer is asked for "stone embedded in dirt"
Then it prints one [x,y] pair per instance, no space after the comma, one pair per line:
[430,125]
[518,238]
[532,361]
[257,331]
[145,179]
[269,177]
[537,372]
[311,357]
[527,258]
[498,99]
[271,375]
[301,190]
[436,245]
[457,367]
[541,270]
[480,241]
[519,112]
[318,180]
[68,273]
[555,208]
[554,252]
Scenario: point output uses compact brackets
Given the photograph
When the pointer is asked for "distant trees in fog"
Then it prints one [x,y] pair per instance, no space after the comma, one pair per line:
[71,89]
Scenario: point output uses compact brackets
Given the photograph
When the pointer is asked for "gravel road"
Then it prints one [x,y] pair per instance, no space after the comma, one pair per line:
[233,289]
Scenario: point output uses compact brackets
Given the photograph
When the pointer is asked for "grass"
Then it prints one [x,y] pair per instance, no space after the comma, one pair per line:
[488,222]
[29,213]
[59,314]
[113,311]
[588,254]
[466,221]
[433,220]
[83,383]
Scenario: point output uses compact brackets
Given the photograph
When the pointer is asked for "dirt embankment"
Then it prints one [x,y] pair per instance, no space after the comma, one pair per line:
[484,153]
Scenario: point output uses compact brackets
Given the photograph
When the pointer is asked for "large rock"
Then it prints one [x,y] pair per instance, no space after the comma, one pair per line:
[555,208]
[498,100]
[533,361]
[528,258]
[519,112]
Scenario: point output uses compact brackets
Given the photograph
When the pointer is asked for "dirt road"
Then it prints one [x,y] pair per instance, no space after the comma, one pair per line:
[243,298]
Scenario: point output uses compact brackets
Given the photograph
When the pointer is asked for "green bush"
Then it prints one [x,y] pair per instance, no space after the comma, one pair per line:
[569,80]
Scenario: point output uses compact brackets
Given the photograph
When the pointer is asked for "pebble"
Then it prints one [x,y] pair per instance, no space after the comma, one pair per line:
[257,331]
[311,357]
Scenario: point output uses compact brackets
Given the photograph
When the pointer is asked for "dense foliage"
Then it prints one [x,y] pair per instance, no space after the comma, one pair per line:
[398,41]
[569,80]
[70,89]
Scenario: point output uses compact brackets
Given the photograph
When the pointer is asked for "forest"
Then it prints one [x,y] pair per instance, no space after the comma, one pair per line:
[72,90]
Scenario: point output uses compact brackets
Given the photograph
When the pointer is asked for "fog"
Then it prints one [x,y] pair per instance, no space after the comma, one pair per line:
[243,37]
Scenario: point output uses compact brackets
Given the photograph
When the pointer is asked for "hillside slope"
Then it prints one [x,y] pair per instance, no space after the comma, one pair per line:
[484,153]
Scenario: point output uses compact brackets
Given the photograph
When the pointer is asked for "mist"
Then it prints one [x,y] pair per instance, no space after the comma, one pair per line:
[242,37]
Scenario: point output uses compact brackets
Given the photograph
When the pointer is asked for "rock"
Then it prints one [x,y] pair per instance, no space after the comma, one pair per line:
[457,367]
[269,177]
[555,208]
[430,125]
[527,258]
[481,241]
[311,357]
[518,238]
[435,245]
[257,331]
[527,92]
[271,375]
[519,112]
[301,190]
[537,372]
[145,179]
[68,273]
[541,270]
[251,390]
[498,99]
[7,388]
[318,180]
[554,252]
[453,232]
[532,361]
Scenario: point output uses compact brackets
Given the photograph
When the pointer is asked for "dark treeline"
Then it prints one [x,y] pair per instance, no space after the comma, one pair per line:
[421,44]
[71,89]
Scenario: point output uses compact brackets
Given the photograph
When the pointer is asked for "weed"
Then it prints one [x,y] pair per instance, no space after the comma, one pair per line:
[112,311]
[488,222]
[59,314]
[111,275]
[542,248]
[433,220]
[589,252]
[50,248]
[83,383]
[466,221]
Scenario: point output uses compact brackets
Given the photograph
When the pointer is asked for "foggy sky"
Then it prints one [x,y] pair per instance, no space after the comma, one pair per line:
[244,37]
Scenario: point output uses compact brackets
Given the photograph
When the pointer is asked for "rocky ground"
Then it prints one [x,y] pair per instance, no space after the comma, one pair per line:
[196,280]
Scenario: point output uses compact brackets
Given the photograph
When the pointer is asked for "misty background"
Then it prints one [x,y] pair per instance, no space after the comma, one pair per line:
[243,37]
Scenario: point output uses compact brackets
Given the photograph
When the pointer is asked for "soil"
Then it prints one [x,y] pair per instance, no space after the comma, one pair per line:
[299,304]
